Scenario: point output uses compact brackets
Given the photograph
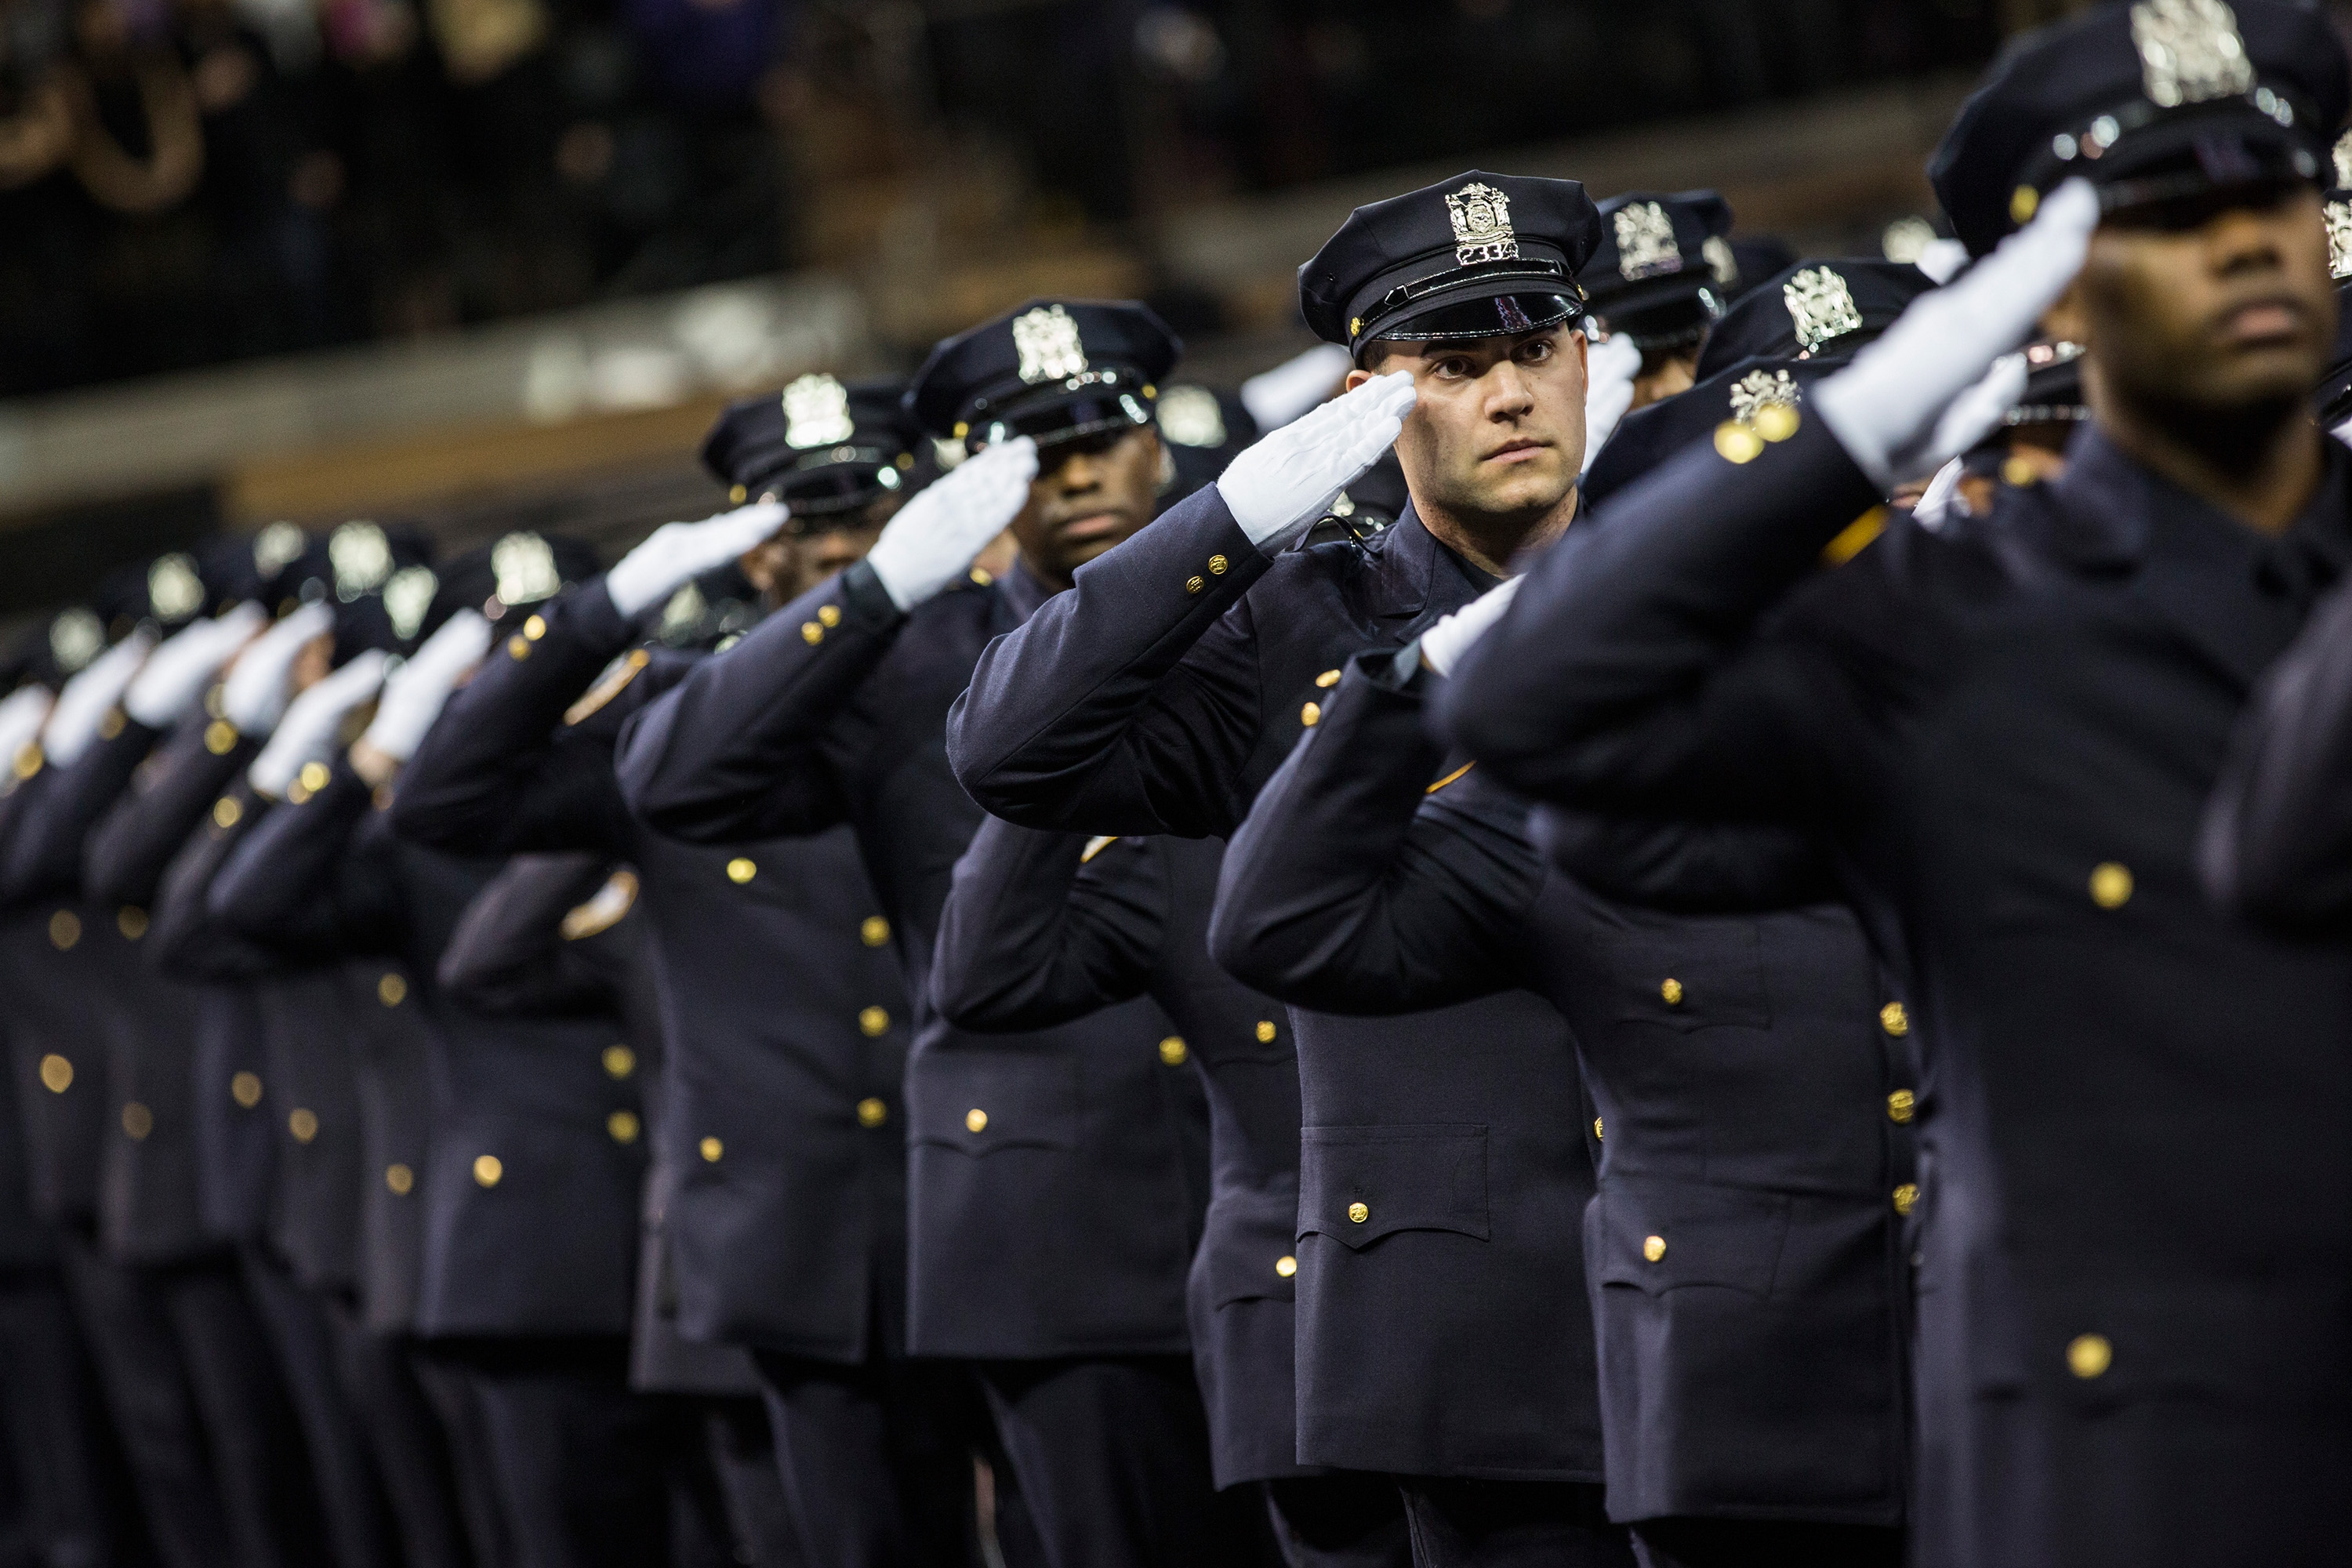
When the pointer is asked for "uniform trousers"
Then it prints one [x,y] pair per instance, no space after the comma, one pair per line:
[1753,1543]
[1111,1455]
[1457,1523]
[74,1494]
[743,1451]
[405,1439]
[449,1388]
[1346,1520]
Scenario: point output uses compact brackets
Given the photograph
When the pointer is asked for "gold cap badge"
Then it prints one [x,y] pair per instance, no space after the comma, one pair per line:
[524,565]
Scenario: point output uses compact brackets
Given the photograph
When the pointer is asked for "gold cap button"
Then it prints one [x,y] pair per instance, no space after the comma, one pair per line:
[57,1073]
[65,930]
[1285,1265]
[2089,1355]
[872,1021]
[1311,715]
[828,615]
[1907,1197]
[619,1061]
[872,1113]
[975,1120]
[1653,1247]
[711,1149]
[1264,1030]
[489,1169]
[400,1179]
[1172,1051]
[244,1087]
[391,990]
[303,1123]
[137,1121]
[1359,1212]
[131,921]
[873,930]
[1901,1106]
[623,1126]
[1673,992]
[2110,884]
[1895,1020]
[740,871]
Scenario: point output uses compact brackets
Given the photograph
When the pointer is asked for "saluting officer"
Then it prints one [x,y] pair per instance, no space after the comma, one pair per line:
[1161,695]
[2136,1193]
[1057,1178]
[1661,277]
[781,1145]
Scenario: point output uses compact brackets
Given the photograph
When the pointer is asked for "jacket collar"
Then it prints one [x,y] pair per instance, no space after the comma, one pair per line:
[1413,576]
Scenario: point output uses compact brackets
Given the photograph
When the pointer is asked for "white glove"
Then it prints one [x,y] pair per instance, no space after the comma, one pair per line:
[170,683]
[1609,371]
[1887,407]
[253,695]
[413,698]
[1943,260]
[1275,398]
[307,731]
[677,553]
[82,705]
[1442,645]
[935,537]
[1287,480]
[21,712]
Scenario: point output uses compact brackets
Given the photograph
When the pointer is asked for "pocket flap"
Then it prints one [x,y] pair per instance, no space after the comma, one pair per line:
[1710,973]
[1656,1237]
[1357,1184]
[980,1101]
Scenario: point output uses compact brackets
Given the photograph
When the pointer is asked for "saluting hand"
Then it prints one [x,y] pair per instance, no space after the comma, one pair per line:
[935,538]
[1280,486]
[1609,372]
[677,553]
[21,715]
[170,683]
[255,695]
[82,705]
[1442,645]
[415,692]
[307,732]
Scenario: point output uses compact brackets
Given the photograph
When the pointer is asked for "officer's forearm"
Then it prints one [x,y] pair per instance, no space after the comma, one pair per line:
[1020,947]
[145,828]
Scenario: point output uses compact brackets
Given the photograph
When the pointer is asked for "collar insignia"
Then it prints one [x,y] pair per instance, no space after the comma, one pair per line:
[1646,241]
[2190,51]
[175,591]
[1761,389]
[817,413]
[362,558]
[524,565]
[1047,340]
[1481,225]
[1821,305]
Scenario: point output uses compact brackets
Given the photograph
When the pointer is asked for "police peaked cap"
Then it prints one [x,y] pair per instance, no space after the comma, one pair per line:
[1053,369]
[1813,310]
[820,445]
[1663,271]
[519,568]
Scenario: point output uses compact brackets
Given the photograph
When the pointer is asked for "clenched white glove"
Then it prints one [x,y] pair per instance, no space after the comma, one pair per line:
[82,705]
[1609,371]
[1886,408]
[934,538]
[170,683]
[312,720]
[1282,484]
[21,713]
[1275,398]
[414,697]
[1442,645]
[678,552]
[255,694]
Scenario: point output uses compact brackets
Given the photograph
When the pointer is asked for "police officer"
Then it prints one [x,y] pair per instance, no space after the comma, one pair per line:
[782,1140]
[1161,695]
[1662,275]
[1057,1179]
[2006,731]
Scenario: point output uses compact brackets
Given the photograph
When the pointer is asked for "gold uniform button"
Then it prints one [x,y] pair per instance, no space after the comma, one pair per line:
[872,1113]
[619,1061]
[1901,1106]
[811,633]
[873,930]
[489,1169]
[2110,884]
[711,1149]
[131,921]
[1359,1212]
[1907,1197]
[314,776]
[227,812]
[740,871]
[28,760]
[1311,715]
[57,1073]
[1775,422]
[1328,680]
[623,1125]
[975,1120]
[244,1087]
[220,737]
[1673,992]
[1596,1127]
[111,725]
[137,1121]
[391,990]
[1653,1247]
[2089,1355]
[738,494]
[1217,564]
[517,649]
[400,1179]
[872,1021]
[1285,1265]
[1264,1030]
[981,577]
[1736,443]
[303,1124]
[65,930]
[535,627]
[1895,1020]
[828,615]
[1173,1052]
[1194,584]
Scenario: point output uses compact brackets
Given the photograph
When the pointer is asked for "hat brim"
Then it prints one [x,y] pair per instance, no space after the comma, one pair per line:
[1051,418]
[1498,306]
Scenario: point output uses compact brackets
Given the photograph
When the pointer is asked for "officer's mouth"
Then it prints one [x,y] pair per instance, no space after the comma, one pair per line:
[2260,323]
[1093,525]
[1520,449]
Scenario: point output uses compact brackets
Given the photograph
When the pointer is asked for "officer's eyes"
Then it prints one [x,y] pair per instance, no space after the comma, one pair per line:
[1537,352]
[1454,367]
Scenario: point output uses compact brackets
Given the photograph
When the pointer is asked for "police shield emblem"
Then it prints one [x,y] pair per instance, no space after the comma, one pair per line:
[1821,305]
[362,558]
[2190,51]
[817,413]
[524,565]
[1760,390]
[175,591]
[2339,239]
[1481,225]
[1046,339]
[1646,241]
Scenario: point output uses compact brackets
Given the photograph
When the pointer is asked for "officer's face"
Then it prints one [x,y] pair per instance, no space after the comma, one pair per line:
[1499,430]
[1087,496]
[2234,312]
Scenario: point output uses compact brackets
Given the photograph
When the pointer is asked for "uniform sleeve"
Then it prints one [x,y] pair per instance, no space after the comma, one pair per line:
[501,770]
[1131,703]
[1691,866]
[511,953]
[1035,933]
[735,750]
[1633,671]
[184,941]
[1347,890]
[304,880]
[169,795]
[2277,840]
[45,855]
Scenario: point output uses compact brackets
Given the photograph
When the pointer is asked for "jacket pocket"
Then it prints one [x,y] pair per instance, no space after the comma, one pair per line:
[981,1102]
[1357,1184]
[1713,973]
[1657,1236]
